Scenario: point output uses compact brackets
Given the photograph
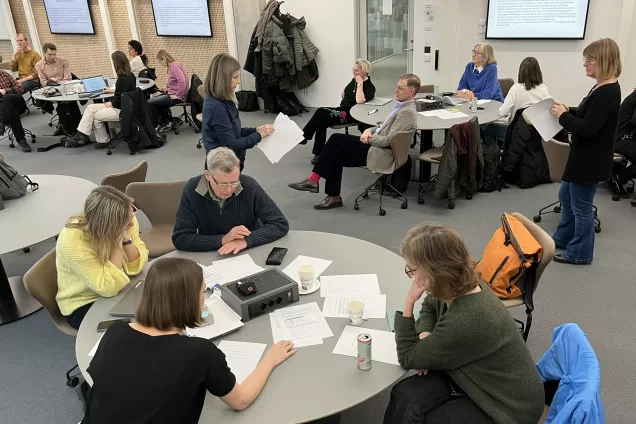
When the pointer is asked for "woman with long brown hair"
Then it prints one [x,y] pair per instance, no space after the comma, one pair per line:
[175,92]
[97,113]
[96,252]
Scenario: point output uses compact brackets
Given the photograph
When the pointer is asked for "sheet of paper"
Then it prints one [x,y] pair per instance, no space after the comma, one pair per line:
[341,285]
[242,357]
[546,124]
[94,349]
[211,277]
[482,102]
[337,306]
[224,317]
[320,265]
[382,344]
[285,137]
[434,112]
[302,321]
[235,268]
[378,101]
[278,335]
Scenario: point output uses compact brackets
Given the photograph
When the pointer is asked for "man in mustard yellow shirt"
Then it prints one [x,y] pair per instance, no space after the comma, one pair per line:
[23,61]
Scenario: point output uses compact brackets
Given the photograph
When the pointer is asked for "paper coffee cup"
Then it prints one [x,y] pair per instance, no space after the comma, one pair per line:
[356,310]
[306,274]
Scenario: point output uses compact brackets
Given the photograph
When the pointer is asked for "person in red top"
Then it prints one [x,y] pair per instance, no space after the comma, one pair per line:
[12,105]
[175,92]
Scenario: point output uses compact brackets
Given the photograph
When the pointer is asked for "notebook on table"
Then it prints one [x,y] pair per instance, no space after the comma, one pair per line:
[224,320]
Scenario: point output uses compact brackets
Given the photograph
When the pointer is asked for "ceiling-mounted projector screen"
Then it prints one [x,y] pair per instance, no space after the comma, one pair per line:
[69,16]
[537,19]
[185,18]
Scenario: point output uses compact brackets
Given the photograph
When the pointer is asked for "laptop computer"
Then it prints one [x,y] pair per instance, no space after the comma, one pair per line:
[94,85]
[127,306]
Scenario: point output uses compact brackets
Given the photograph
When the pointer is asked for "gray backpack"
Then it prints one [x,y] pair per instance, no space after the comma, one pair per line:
[13,184]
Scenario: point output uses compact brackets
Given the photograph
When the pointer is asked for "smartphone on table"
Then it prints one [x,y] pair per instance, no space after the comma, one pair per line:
[276,256]
[105,325]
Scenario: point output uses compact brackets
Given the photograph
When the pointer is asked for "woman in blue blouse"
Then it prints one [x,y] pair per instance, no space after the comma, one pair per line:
[480,76]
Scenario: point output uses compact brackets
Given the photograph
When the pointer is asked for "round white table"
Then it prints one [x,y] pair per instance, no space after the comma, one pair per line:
[426,124]
[37,94]
[314,383]
[35,217]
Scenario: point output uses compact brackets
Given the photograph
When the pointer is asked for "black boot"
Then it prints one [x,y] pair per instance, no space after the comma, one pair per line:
[617,188]
[24,146]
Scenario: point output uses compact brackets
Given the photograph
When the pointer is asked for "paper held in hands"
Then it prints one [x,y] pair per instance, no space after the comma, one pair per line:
[285,137]
[539,116]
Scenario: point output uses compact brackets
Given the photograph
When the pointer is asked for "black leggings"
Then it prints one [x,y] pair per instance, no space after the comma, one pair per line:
[77,316]
[429,399]
[322,119]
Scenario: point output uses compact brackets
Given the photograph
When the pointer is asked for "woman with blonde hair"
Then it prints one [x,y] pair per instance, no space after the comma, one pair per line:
[590,161]
[96,252]
[479,80]
[359,90]
[221,122]
[175,92]
[473,365]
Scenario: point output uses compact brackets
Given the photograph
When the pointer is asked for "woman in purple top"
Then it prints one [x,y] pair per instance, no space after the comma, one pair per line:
[175,92]
[480,76]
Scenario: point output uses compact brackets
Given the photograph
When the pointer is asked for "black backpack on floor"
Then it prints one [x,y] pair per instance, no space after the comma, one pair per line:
[289,104]
[402,176]
[493,178]
[69,116]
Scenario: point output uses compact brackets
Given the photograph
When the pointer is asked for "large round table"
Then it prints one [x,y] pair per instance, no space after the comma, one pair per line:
[37,94]
[35,217]
[426,124]
[314,383]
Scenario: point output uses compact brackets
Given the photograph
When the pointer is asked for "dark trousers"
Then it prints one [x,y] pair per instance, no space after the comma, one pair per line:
[627,148]
[342,150]
[76,318]
[11,107]
[322,119]
[160,108]
[575,232]
[429,399]
[31,85]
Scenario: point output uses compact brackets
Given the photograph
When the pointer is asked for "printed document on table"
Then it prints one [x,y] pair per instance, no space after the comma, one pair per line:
[236,268]
[320,265]
[285,137]
[383,347]
[94,349]
[278,335]
[341,285]
[242,357]
[301,321]
[337,306]
[452,115]
[211,278]
[546,124]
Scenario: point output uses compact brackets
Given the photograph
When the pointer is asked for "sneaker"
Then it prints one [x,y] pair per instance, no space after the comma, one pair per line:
[163,128]
[24,146]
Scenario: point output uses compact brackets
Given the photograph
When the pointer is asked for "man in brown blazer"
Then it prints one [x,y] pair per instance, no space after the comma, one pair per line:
[372,148]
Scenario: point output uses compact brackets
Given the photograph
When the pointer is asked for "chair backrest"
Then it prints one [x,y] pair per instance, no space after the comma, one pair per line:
[201,90]
[401,146]
[121,181]
[5,66]
[158,201]
[557,153]
[429,88]
[41,283]
[506,84]
[544,239]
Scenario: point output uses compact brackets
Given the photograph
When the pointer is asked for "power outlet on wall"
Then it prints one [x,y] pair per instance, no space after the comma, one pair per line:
[481,26]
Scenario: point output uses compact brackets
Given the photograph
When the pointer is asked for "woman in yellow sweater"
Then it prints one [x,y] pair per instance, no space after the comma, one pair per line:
[96,252]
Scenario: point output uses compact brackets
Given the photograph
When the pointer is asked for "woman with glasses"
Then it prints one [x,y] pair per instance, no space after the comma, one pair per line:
[359,90]
[221,122]
[479,80]
[96,252]
[175,92]
[473,365]
[138,60]
[593,126]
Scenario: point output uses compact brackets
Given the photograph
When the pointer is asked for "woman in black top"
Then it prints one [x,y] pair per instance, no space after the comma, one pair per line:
[593,128]
[626,145]
[148,372]
[358,91]
[97,113]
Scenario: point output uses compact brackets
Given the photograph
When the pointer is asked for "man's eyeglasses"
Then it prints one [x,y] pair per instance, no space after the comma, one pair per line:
[475,53]
[400,88]
[408,271]
[226,185]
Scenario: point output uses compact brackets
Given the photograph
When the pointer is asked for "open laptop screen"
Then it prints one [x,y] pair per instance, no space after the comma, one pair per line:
[94,84]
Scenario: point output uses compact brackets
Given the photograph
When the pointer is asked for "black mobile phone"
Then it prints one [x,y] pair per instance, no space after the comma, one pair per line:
[276,256]
[105,325]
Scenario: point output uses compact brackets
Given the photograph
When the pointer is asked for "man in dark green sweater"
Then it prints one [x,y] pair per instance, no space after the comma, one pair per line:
[226,211]
[464,334]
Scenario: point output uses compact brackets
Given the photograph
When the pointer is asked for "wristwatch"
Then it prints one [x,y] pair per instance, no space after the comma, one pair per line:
[127,242]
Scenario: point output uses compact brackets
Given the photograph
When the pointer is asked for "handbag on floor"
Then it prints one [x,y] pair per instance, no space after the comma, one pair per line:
[12,183]
[247,101]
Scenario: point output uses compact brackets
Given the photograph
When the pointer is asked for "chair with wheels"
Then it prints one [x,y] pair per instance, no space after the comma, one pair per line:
[121,181]
[400,146]
[506,84]
[41,283]
[432,156]
[186,117]
[557,153]
[530,285]
[159,201]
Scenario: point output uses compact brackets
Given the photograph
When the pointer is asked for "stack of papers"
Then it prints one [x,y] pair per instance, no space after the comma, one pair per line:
[242,357]
[320,265]
[540,117]
[346,285]
[225,320]
[285,137]
[231,269]
[304,325]
[383,347]
[443,114]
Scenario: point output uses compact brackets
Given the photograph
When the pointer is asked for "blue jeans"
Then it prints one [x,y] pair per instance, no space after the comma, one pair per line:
[495,131]
[575,233]
[30,85]
[160,108]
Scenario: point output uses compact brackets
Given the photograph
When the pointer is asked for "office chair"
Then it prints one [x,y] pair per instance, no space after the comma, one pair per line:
[506,84]
[41,283]
[121,181]
[186,117]
[400,146]
[11,136]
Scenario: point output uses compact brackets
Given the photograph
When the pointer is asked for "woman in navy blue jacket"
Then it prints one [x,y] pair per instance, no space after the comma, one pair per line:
[479,80]
[221,122]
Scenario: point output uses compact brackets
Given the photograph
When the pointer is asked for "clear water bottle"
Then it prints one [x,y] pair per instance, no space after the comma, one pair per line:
[63,88]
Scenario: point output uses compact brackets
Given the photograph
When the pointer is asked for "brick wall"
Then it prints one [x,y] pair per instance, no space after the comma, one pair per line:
[19,18]
[194,53]
[6,50]
[120,23]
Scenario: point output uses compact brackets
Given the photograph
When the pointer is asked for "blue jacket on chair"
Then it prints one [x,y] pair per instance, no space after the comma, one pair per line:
[484,84]
[572,360]
[222,128]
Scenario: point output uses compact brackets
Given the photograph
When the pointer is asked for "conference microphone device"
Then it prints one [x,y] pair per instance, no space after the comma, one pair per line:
[260,293]
[429,103]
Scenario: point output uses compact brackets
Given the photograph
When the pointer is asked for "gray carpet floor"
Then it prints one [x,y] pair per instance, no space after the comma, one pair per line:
[600,297]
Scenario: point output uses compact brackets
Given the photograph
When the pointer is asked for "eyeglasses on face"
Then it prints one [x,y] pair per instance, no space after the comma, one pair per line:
[225,186]
[588,60]
[476,53]
[408,271]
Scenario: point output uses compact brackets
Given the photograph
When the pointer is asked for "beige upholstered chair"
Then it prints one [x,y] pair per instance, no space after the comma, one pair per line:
[400,146]
[121,181]
[159,202]
[506,84]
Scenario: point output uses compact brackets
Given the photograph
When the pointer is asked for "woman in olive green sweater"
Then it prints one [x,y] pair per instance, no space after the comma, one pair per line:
[473,365]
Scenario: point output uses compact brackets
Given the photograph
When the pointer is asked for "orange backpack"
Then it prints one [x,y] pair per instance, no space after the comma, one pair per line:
[511,252]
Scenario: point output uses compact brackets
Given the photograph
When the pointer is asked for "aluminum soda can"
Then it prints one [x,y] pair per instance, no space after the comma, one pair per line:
[364,351]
